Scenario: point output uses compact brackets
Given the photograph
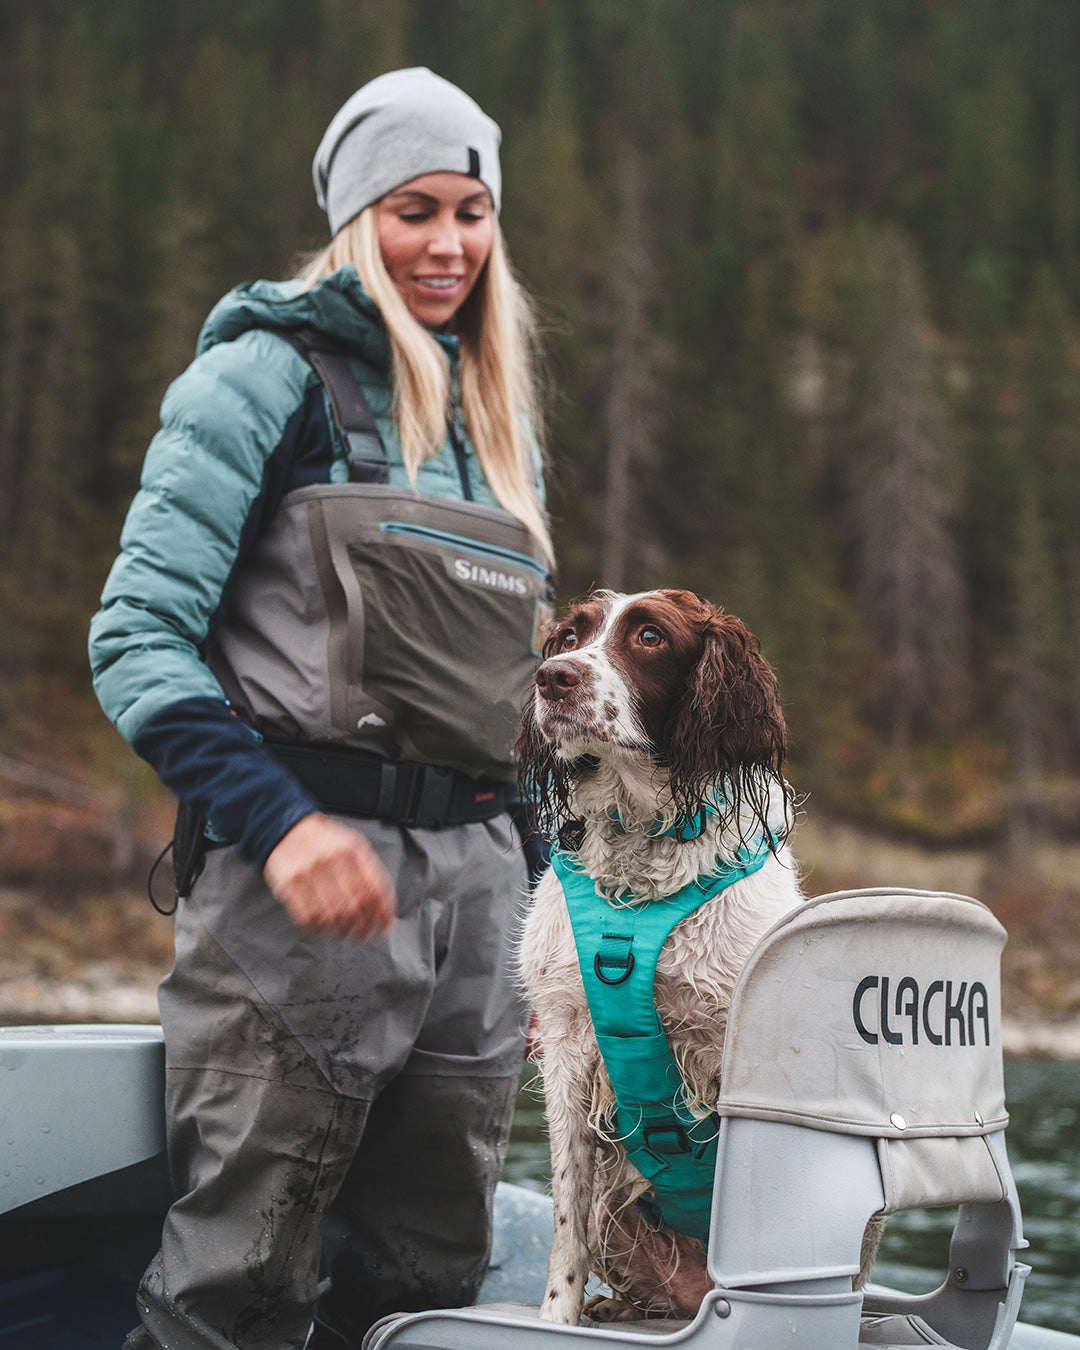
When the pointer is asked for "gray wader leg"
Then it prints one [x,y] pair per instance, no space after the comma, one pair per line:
[411,1227]
[260,1145]
[256,1156]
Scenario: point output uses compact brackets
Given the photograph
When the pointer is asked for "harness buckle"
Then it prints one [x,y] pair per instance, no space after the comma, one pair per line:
[665,1137]
[607,959]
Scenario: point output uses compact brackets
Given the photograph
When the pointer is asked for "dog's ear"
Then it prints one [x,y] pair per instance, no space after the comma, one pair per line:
[728,723]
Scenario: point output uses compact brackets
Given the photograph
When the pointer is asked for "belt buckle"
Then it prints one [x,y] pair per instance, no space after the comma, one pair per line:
[429,803]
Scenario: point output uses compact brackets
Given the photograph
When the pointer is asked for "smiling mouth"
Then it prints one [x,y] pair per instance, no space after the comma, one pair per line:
[438,283]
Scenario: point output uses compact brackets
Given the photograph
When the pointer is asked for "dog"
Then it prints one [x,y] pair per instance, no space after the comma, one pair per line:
[652,746]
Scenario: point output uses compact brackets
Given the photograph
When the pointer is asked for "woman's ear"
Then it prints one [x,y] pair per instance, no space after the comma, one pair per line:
[728,722]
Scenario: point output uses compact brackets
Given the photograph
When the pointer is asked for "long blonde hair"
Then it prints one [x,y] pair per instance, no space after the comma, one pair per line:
[499,398]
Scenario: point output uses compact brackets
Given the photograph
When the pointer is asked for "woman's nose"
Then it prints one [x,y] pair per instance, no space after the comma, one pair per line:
[446,238]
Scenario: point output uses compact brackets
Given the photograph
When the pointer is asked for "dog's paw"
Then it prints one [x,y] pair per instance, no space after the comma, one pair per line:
[610,1308]
[562,1306]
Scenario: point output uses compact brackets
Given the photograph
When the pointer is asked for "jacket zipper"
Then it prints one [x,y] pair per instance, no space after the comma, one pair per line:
[457,440]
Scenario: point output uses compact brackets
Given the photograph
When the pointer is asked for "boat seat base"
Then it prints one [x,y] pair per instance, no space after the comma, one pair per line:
[896,1332]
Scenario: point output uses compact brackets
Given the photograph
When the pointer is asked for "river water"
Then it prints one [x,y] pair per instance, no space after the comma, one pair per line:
[1044,1150]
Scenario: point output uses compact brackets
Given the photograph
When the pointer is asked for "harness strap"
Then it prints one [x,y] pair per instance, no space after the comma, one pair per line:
[618,948]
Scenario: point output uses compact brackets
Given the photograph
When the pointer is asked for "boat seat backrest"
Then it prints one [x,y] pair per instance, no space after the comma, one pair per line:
[863,1076]
[877,1014]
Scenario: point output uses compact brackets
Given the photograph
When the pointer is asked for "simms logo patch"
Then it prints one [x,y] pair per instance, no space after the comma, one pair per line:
[488,576]
[946,1012]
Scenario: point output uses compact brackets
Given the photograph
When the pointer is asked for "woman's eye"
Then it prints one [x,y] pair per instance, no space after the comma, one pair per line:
[650,637]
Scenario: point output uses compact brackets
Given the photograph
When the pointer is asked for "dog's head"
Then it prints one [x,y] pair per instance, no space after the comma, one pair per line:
[661,677]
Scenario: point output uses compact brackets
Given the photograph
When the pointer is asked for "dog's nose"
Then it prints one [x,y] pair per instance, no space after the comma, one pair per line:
[556,679]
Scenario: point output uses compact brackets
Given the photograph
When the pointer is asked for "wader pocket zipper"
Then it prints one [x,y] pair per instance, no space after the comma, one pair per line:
[465,544]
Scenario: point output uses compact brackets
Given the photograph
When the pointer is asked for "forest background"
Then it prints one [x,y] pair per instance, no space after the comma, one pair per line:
[808,273]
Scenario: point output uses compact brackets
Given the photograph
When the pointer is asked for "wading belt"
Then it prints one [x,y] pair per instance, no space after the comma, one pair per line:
[347,782]
[352,782]
[618,947]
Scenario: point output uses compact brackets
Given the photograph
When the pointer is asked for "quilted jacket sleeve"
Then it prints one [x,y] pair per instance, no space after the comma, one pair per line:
[209,472]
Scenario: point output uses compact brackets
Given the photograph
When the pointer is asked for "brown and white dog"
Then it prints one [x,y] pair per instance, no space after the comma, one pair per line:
[646,709]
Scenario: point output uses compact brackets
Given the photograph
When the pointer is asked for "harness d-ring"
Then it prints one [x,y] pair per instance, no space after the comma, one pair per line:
[606,979]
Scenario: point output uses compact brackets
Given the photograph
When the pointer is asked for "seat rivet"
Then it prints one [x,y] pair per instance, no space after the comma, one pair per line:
[722,1308]
[897,1121]
[960,1275]
[978,1118]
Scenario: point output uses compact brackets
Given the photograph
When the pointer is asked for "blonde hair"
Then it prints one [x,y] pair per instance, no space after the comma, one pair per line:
[499,399]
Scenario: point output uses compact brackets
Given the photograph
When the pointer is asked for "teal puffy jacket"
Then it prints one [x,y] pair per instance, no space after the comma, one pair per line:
[247,422]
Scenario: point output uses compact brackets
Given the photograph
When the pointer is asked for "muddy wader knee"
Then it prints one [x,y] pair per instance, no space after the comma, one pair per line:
[411,1227]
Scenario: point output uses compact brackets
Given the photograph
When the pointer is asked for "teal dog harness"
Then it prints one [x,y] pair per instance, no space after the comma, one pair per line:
[618,947]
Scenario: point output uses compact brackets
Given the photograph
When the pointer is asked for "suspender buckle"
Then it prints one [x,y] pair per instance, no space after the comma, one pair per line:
[367,458]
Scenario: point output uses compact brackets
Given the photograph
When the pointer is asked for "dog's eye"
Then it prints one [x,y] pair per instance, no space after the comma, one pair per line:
[650,637]
[567,640]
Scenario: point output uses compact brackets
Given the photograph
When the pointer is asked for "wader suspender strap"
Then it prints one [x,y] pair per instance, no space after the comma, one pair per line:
[618,947]
[353,417]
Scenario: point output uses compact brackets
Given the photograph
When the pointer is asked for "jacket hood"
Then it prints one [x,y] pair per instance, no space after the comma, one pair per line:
[338,306]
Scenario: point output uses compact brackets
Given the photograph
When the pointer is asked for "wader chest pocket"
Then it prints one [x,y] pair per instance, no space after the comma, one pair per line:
[438,613]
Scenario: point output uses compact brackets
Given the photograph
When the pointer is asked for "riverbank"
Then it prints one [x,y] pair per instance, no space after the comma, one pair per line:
[80,942]
[1039,909]
[111,991]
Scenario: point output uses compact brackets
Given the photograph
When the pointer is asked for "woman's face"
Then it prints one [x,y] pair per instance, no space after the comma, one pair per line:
[435,234]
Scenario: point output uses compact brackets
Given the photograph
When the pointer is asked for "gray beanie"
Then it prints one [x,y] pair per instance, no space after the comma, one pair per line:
[397,127]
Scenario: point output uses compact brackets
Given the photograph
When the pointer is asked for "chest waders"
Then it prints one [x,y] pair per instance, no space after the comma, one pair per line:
[380,640]
[618,947]
[374,618]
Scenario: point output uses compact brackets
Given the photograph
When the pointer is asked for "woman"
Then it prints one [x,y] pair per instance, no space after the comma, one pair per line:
[326,607]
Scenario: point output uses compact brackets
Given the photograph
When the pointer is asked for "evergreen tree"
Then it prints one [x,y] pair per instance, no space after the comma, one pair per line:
[903,485]
[1031,728]
[757,233]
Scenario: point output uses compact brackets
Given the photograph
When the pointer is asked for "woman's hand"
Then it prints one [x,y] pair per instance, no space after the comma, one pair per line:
[331,880]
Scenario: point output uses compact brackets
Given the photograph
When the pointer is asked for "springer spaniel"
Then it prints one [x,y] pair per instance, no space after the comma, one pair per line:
[649,711]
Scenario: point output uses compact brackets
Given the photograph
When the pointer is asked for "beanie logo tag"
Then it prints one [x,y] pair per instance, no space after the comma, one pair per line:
[474,162]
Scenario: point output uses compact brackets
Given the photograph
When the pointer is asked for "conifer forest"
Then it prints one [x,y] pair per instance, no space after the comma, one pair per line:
[808,277]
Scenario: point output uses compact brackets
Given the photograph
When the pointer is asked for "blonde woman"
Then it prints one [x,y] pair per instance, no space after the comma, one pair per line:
[329,599]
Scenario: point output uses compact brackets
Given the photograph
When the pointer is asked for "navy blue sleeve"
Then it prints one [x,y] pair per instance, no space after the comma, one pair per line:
[216,763]
[243,426]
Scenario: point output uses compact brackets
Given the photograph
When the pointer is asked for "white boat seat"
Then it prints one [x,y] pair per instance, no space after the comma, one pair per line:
[862,1076]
